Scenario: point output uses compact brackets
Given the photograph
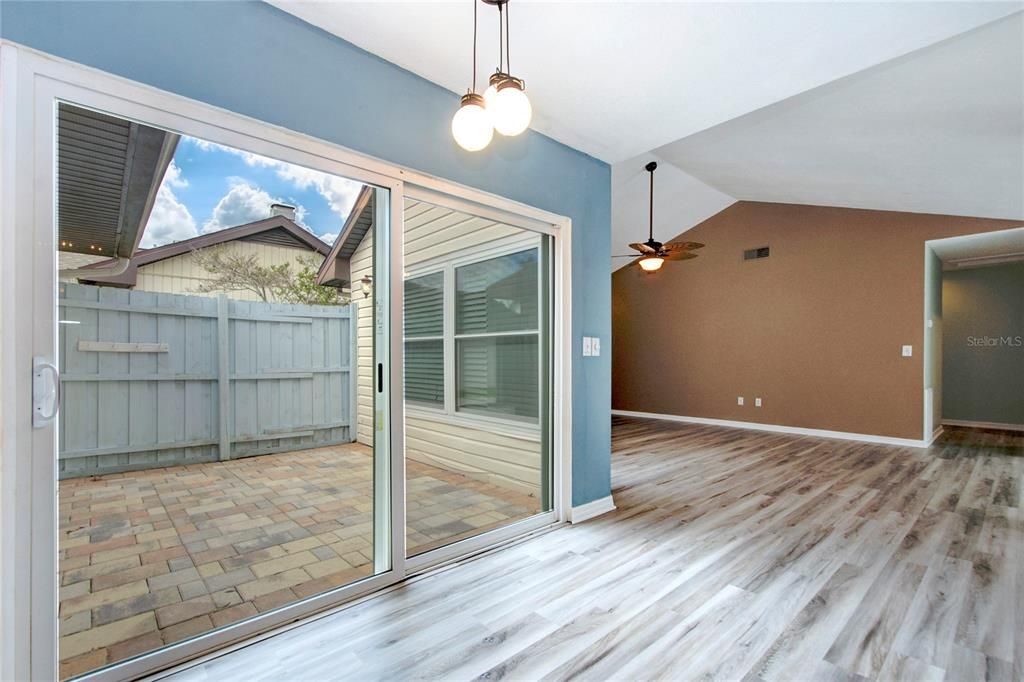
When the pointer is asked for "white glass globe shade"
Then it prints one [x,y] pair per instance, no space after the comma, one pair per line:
[651,263]
[511,112]
[490,98]
[472,128]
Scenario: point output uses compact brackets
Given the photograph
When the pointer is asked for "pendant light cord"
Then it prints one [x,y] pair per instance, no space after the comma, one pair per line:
[501,40]
[508,52]
[474,44]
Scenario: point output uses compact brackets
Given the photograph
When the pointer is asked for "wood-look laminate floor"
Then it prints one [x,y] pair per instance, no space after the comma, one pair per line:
[733,555]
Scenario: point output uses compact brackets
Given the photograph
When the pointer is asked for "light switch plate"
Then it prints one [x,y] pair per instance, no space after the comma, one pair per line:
[739,400]
[587,347]
[595,346]
[757,402]
[908,351]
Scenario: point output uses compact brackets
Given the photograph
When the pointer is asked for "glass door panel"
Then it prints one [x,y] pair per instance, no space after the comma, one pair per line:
[477,374]
[222,449]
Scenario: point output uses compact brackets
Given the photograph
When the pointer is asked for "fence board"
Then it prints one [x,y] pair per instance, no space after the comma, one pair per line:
[276,377]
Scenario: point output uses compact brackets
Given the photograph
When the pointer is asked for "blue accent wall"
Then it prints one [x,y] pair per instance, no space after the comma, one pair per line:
[256,60]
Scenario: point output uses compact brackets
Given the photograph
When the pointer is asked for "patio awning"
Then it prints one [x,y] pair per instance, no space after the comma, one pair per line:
[108,173]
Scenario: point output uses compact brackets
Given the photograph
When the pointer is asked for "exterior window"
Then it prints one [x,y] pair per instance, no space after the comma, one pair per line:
[424,339]
[496,336]
[473,329]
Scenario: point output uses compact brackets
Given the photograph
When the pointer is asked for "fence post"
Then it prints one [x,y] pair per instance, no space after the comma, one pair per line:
[353,368]
[223,378]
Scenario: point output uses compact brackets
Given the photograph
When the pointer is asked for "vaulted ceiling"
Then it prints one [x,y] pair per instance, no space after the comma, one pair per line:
[913,106]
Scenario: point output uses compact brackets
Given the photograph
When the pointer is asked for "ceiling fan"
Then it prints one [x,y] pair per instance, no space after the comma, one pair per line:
[654,254]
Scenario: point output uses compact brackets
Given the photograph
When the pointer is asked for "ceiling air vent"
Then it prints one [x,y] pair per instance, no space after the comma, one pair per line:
[754,254]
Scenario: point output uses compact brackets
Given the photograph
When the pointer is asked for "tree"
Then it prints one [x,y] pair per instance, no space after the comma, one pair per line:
[232,271]
[302,287]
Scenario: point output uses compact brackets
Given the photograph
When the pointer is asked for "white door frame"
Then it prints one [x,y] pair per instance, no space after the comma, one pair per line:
[30,84]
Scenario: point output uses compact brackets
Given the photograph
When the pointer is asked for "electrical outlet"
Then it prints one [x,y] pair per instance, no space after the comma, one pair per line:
[739,400]
[595,346]
[588,348]
[908,351]
[757,402]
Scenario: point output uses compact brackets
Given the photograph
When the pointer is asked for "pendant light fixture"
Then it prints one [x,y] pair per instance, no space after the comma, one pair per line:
[505,97]
[471,126]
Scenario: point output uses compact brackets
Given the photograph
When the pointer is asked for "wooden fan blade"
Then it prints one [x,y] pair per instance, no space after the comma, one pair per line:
[679,255]
[682,246]
[626,255]
[642,248]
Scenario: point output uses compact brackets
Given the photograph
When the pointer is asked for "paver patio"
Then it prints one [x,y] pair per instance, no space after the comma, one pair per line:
[153,557]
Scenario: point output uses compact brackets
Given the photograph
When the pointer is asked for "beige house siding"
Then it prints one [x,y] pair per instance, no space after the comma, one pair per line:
[361,264]
[182,274]
[507,457]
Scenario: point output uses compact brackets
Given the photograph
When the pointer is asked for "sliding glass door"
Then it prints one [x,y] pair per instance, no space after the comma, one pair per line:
[264,381]
[216,343]
[477,341]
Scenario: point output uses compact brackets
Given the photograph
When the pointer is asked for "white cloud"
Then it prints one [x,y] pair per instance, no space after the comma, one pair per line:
[173,176]
[340,193]
[300,215]
[170,220]
[244,203]
[328,238]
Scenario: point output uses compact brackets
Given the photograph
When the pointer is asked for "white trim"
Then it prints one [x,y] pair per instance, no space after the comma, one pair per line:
[15,513]
[983,425]
[935,434]
[591,509]
[776,428]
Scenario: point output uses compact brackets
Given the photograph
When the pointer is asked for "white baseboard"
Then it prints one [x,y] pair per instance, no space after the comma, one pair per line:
[591,509]
[775,428]
[983,425]
[936,433]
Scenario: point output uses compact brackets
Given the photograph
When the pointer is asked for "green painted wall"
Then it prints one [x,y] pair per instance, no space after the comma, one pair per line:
[983,344]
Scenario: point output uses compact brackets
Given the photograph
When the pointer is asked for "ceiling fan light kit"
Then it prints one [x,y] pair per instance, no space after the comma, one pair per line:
[653,254]
[651,263]
[504,106]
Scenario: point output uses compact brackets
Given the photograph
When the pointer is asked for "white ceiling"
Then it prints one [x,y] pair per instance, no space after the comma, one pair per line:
[627,81]
[938,131]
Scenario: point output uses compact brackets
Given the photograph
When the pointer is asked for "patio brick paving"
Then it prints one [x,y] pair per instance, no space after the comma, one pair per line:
[152,557]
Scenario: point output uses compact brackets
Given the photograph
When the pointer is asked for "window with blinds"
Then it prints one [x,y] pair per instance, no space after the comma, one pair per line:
[424,339]
[496,336]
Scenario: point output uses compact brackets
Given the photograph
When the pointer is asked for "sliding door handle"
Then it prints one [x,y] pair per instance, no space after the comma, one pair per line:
[45,395]
[380,377]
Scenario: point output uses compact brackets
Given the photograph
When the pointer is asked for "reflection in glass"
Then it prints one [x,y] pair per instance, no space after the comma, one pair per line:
[477,375]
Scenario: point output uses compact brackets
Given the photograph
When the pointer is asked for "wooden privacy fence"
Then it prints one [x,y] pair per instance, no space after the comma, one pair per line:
[154,380]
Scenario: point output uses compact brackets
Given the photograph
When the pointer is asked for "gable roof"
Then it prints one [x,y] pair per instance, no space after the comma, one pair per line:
[276,229]
[335,269]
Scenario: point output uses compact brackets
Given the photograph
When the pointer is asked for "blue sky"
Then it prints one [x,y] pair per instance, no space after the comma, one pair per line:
[209,187]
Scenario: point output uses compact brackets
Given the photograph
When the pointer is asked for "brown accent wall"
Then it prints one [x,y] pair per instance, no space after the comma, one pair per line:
[814,330]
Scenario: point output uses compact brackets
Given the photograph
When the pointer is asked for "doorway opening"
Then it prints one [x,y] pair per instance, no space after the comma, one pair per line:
[974,332]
